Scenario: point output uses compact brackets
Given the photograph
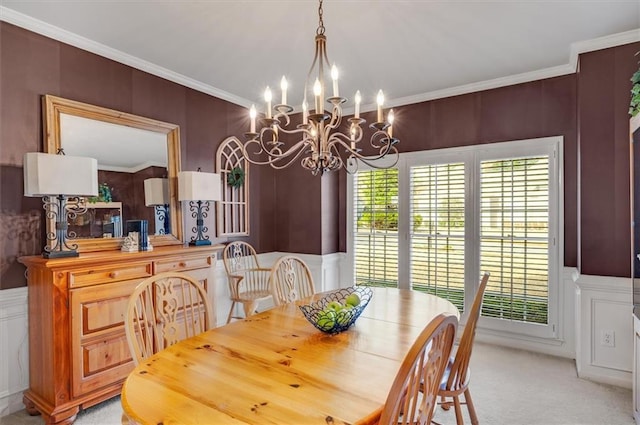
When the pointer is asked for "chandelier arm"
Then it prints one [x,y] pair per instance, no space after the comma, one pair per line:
[344,141]
[384,150]
[275,154]
[259,139]
[304,131]
[370,161]
[336,119]
[380,139]
[279,166]
[285,116]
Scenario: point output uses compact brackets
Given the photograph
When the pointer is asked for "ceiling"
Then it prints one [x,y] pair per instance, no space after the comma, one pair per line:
[413,50]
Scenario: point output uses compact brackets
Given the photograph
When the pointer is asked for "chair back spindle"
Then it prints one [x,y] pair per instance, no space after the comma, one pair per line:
[414,392]
[291,280]
[458,377]
[164,309]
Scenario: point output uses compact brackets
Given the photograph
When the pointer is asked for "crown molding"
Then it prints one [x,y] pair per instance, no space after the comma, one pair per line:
[576,49]
[56,33]
[59,34]
[495,83]
[606,42]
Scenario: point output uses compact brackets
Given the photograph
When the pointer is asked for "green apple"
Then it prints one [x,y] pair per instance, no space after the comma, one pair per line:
[334,305]
[353,299]
[343,317]
[326,320]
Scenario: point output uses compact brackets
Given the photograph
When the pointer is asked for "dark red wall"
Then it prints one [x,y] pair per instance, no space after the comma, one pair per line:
[291,211]
[603,124]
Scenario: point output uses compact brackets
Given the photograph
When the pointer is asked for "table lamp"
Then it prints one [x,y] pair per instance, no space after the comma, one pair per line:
[156,194]
[199,188]
[62,181]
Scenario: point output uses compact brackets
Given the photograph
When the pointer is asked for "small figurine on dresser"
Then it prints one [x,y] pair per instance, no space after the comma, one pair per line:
[130,243]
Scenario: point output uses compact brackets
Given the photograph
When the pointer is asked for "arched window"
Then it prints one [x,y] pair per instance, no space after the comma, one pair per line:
[233,208]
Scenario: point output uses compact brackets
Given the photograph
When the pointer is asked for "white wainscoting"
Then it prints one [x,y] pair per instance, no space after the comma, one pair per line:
[14,349]
[604,305]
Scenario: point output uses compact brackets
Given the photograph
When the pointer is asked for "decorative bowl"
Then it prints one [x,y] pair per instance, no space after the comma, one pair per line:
[335,312]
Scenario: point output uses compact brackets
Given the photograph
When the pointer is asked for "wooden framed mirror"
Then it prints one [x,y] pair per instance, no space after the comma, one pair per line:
[130,149]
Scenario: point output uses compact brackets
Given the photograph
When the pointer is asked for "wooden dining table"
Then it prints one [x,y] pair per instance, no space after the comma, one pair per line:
[276,368]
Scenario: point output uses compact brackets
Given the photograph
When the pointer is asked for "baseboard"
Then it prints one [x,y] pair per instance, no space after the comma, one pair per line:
[14,349]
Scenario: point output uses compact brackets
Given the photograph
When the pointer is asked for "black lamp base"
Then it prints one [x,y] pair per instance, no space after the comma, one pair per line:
[202,242]
[199,211]
[61,254]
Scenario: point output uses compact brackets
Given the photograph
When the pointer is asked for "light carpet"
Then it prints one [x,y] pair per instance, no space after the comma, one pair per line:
[509,387]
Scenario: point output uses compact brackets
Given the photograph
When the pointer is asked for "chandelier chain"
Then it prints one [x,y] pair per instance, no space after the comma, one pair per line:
[320,30]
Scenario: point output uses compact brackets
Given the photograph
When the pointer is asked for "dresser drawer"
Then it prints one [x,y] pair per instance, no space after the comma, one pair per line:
[101,308]
[86,277]
[186,263]
[98,342]
[102,362]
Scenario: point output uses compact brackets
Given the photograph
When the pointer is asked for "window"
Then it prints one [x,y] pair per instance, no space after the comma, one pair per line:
[437,196]
[514,229]
[376,227]
[441,218]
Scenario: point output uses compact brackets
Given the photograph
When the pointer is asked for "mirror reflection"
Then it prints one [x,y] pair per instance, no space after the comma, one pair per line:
[138,163]
[127,158]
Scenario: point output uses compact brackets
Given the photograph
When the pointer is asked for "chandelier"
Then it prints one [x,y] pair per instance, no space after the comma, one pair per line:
[320,145]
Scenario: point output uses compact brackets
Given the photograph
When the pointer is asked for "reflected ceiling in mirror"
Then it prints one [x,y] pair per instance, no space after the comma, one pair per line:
[129,149]
[116,147]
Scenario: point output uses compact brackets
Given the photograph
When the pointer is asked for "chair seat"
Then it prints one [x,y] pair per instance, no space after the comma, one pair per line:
[253,295]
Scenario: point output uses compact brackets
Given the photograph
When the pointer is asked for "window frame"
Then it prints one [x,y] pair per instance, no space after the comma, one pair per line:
[472,156]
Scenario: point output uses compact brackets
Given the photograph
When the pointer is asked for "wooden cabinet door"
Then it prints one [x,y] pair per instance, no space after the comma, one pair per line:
[99,351]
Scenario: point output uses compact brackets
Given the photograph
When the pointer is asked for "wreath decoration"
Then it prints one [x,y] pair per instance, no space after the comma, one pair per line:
[235,178]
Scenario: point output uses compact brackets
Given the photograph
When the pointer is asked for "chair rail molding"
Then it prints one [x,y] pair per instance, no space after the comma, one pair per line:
[604,329]
[14,349]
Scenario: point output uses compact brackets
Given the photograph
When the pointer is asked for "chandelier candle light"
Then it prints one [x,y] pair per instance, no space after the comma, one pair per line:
[321,146]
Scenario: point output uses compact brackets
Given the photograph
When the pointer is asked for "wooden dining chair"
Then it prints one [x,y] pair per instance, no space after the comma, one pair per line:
[414,393]
[164,309]
[455,381]
[248,282]
[291,280]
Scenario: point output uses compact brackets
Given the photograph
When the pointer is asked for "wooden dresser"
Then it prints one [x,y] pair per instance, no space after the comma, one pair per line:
[78,352]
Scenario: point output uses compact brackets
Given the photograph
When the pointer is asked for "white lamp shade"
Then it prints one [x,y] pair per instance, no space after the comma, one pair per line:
[49,174]
[156,192]
[198,186]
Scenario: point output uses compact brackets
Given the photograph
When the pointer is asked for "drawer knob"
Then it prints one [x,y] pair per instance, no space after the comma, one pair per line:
[183,264]
[113,275]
